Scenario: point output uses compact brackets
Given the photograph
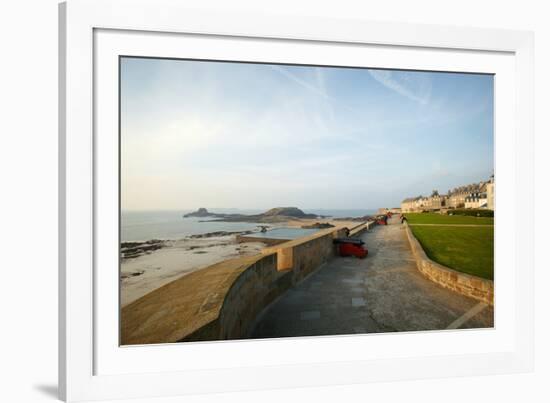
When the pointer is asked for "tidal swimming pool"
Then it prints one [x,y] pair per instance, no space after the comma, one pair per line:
[284,233]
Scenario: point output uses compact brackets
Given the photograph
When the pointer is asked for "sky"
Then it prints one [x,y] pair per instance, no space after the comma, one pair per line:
[255,136]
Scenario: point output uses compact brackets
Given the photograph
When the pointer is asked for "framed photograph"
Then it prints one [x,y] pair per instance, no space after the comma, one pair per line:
[256,201]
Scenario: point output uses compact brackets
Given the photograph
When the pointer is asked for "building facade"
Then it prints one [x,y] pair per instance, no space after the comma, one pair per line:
[473,196]
[434,202]
[491,194]
[476,200]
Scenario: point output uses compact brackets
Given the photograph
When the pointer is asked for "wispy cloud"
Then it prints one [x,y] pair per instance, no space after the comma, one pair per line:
[401,83]
[321,84]
[313,88]
[319,88]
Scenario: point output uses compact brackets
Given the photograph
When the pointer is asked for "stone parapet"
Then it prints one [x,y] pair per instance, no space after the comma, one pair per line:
[465,284]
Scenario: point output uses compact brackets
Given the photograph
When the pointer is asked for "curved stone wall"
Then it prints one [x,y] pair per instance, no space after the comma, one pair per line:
[192,307]
[238,305]
[466,284]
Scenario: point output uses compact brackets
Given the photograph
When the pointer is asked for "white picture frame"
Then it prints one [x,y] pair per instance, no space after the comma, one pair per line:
[84,342]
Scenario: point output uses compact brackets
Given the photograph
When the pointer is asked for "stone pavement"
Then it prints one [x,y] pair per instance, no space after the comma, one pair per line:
[382,293]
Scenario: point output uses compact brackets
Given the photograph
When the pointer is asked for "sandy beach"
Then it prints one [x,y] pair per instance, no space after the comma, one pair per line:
[143,274]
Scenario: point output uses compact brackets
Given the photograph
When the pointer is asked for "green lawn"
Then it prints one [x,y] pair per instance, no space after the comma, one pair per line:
[465,249]
[432,218]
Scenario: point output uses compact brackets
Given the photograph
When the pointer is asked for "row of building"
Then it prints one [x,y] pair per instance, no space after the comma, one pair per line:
[475,196]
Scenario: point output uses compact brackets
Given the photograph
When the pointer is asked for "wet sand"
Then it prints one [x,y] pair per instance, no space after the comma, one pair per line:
[145,273]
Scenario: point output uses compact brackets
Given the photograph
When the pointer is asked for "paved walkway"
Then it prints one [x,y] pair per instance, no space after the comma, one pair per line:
[452,225]
[382,293]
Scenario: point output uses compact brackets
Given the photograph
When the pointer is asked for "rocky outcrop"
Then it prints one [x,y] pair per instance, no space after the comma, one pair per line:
[134,249]
[216,234]
[201,212]
[293,212]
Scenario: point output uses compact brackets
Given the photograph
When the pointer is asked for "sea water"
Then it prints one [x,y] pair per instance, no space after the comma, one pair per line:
[145,225]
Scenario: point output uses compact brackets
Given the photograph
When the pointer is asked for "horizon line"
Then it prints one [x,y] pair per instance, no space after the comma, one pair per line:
[253,208]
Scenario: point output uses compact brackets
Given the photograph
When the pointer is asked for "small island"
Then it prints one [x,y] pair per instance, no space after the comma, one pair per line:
[201,212]
[274,215]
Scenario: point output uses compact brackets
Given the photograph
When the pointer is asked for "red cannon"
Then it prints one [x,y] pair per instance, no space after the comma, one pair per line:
[351,247]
